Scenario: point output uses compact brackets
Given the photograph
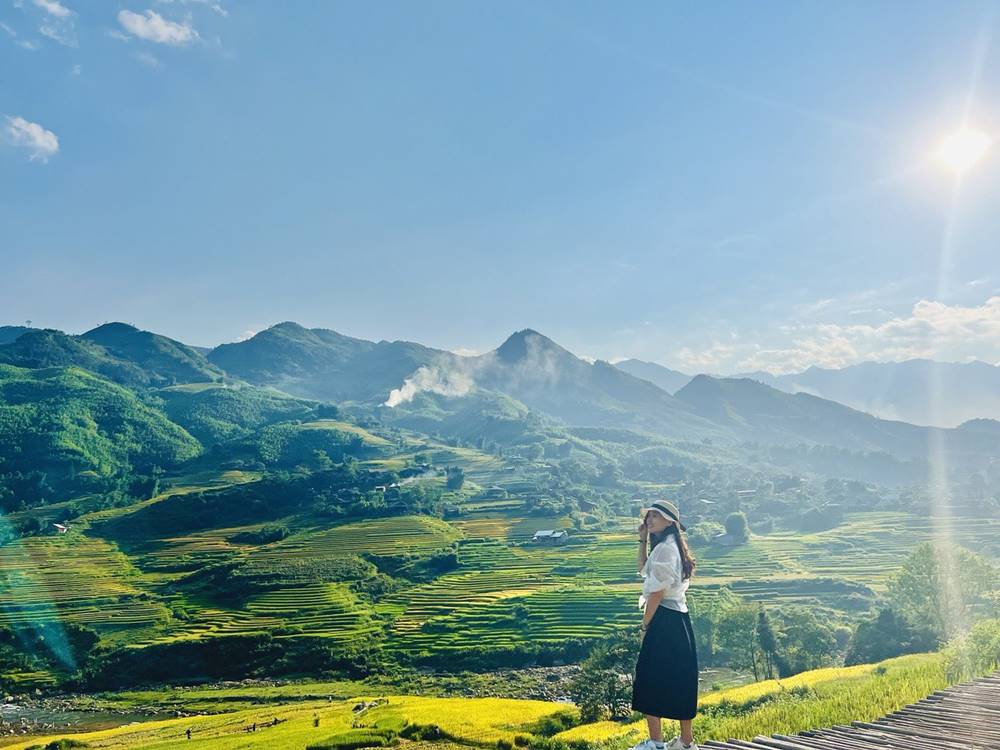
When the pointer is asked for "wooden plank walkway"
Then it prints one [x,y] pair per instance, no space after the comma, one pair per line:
[963,717]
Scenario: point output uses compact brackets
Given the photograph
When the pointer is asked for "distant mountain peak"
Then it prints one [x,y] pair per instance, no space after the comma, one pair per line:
[287,325]
[114,327]
[525,343]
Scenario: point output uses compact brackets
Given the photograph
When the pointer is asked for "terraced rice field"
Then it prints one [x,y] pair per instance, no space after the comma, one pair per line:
[328,610]
[348,428]
[551,614]
[869,547]
[71,577]
[395,535]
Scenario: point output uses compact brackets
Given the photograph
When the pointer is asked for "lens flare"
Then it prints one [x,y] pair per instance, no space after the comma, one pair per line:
[963,149]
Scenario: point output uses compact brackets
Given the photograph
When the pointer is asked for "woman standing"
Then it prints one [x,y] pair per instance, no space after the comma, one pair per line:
[666,673]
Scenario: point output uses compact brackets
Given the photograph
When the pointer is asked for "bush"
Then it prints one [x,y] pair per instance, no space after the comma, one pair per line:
[355,738]
[975,653]
[736,526]
[263,535]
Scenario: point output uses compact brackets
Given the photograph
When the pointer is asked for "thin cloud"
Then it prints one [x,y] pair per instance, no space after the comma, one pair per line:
[216,6]
[931,330]
[58,32]
[58,24]
[40,143]
[54,8]
[153,27]
[150,61]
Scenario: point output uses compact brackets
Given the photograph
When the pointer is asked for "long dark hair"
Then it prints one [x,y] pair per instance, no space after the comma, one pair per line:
[687,560]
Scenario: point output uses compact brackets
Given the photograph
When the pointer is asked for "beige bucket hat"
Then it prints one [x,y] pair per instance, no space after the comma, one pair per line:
[666,509]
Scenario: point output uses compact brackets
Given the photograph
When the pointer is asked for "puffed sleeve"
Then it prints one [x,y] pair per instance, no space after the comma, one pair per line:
[662,571]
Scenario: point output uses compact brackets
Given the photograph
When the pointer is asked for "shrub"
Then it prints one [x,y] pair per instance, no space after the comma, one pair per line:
[975,653]
[355,738]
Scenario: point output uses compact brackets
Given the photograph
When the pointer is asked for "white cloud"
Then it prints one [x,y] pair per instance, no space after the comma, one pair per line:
[54,8]
[155,28]
[150,61]
[933,330]
[463,351]
[216,6]
[58,22]
[41,143]
[59,32]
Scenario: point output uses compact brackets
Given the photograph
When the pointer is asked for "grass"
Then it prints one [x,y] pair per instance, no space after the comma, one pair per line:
[819,698]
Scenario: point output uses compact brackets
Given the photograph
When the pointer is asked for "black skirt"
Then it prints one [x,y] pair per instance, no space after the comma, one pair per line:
[666,673]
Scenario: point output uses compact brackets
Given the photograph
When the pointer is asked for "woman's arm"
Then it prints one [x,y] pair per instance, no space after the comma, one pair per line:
[643,543]
[652,602]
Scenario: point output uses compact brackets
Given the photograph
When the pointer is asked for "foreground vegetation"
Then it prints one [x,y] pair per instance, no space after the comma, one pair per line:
[811,699]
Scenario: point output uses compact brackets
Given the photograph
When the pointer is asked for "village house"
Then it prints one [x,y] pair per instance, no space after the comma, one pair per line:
[551,536]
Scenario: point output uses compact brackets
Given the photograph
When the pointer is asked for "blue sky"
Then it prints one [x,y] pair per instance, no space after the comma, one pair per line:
[716,186]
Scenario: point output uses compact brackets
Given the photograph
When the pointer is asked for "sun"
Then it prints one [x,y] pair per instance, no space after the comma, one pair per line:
[963,149]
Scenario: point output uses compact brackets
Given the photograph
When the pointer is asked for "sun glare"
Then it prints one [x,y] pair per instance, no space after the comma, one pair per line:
[963,149]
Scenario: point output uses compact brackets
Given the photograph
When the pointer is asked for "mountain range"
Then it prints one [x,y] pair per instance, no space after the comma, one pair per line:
[410,383]
[918,391]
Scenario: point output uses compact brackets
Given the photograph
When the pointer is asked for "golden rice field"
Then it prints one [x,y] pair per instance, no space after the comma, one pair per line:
[808,700]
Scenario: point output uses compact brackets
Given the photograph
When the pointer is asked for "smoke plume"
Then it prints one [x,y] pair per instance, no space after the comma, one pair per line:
[433,379]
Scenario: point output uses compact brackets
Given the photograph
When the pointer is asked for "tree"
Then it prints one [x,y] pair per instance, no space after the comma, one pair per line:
[885,635]
[945,589]
[804,642]
[604,684]
[456,478]
[736,634]
[736,526]
[703,533]
[534,452]
[768,642]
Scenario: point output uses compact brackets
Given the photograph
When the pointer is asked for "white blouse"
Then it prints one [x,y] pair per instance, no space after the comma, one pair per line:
[663,571]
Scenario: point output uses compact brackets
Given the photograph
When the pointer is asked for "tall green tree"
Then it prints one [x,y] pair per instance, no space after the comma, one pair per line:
[768,642]
[945,588]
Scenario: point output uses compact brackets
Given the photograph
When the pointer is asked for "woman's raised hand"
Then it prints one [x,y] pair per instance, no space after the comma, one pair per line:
[643,531]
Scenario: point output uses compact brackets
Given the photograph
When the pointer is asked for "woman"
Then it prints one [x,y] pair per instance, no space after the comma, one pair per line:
[666,673]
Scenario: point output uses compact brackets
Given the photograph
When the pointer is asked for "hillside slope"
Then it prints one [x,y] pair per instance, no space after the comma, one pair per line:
[117,351]
[918,391]
[322,364]
[761,413]
[76,428]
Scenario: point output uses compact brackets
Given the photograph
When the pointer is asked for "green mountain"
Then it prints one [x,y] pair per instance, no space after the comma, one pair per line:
[546,377]
[116,351]
[50,348]
[322,364]
[74,430]
[167,360]
[669,380]
[10,333]
[479,416]
[215,412]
